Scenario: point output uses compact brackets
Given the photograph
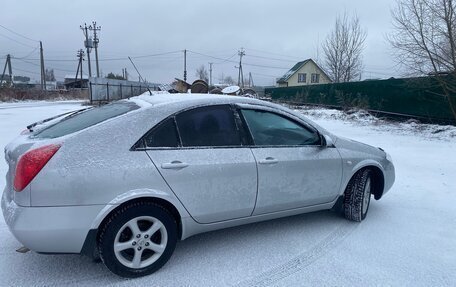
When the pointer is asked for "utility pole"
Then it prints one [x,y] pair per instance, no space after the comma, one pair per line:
[88,44]
[251,80]
[43,71]
[241,53]
[80,55]
[210,74]
[4,70]
[125,73]
[185,65]
[94,28]
[10,71]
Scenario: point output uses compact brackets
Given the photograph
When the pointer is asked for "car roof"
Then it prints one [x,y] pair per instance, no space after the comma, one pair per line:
[174,102]
[146,100]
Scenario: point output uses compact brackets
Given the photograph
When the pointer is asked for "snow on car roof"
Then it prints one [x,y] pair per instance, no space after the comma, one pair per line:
[146,99]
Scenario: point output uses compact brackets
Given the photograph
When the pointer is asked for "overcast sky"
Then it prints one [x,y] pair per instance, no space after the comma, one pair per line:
[275,35]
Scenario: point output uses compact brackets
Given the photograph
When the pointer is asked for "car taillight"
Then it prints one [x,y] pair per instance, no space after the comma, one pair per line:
[31,163]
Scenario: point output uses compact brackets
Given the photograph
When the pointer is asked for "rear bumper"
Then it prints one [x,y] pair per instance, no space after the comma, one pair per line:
[50,229]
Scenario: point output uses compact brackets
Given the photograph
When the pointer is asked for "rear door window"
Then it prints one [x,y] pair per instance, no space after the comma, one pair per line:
[85,119]
[208,126]
[164,135]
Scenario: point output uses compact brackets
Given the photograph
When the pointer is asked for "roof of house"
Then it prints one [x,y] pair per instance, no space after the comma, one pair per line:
[292,71]
[296,68]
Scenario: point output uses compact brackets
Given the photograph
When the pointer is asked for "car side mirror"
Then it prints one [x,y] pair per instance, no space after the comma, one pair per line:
[327,141]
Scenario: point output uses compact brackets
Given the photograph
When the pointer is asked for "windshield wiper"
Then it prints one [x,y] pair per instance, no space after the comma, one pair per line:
[69,114]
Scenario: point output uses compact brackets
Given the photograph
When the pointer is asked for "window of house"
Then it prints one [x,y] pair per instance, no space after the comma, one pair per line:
[270,129]
[208,126]
[315,78]
[163,135]
[302,77]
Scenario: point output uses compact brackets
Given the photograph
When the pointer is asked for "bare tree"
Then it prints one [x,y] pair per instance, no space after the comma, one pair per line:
[423,37]
[201,73]
[228,80]
[343,49]
[424,41]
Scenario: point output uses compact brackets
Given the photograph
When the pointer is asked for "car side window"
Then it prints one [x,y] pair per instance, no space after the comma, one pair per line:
[163,135]
[208,126]
[270,129]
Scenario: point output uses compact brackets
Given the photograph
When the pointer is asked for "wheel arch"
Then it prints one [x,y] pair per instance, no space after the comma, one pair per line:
[378,180]
[378,177]
[89,247]
[159,201]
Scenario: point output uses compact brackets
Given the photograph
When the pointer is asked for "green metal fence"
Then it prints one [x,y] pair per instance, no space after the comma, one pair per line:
[422,97]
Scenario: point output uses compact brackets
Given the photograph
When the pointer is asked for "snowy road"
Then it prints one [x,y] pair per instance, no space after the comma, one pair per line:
[408,238]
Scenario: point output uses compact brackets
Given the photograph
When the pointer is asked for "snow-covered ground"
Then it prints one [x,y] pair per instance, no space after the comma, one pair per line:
[408,238]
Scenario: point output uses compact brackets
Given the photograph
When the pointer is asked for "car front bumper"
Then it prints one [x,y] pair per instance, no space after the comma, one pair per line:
[60,229]
[389,174]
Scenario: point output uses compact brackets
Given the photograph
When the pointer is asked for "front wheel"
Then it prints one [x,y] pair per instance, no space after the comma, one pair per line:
[357,196]
[138,239]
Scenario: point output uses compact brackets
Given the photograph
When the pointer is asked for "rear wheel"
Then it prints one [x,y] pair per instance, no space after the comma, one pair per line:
[138,239]
[357,196]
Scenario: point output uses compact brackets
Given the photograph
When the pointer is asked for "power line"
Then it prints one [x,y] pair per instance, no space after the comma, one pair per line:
[25,71]
[247,64]
[23,57]
[14,40]
[137,57]
[29,54]
[18,34]
[51,60]
[62,70]
[159,54]
[264,75]
[111,59]
[269,58]
[57,69]
[22,60]
[265,66]
[226,60]
[276,54]
[217,58]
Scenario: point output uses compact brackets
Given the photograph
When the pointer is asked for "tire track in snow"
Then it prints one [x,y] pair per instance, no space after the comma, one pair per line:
[82,281]
[12,253]
[303,260]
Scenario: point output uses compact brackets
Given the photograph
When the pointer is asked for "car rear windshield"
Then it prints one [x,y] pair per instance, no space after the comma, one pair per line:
[85,119]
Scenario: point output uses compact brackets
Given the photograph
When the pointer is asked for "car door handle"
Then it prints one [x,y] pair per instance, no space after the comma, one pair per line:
[175,164]
[268,160]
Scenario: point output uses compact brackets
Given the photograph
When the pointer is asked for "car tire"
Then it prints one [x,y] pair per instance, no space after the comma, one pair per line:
[357,196]
[138,239]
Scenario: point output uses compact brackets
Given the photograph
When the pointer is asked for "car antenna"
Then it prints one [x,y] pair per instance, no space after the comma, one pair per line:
[140,78]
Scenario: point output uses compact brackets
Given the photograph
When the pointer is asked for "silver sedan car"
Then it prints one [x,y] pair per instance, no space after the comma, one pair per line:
[125,181]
